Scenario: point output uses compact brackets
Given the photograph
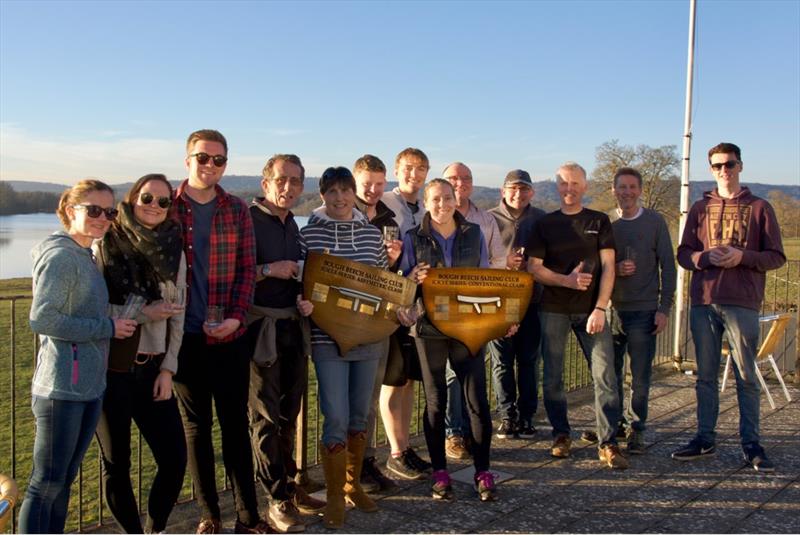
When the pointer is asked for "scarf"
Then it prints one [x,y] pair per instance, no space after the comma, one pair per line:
[137,258]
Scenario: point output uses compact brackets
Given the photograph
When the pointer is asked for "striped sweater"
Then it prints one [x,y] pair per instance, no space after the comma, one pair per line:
[355,239]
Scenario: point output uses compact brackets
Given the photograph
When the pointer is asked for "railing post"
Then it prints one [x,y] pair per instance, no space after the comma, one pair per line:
[301,440]
[13,404]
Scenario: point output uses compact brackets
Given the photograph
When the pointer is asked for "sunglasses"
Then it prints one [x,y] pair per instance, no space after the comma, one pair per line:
[730,164]
[147,198]
[202,158]
[94,211]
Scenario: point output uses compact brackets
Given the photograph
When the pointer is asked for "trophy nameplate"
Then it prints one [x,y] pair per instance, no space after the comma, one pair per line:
[354,303]
[475,305]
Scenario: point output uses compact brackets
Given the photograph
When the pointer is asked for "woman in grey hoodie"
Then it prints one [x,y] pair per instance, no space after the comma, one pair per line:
[70,314]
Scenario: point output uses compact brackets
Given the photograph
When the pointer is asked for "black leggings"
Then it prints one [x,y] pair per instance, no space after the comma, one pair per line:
[129,396]
[471,372]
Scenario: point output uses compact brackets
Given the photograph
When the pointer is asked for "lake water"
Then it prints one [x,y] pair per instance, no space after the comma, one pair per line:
[19,233]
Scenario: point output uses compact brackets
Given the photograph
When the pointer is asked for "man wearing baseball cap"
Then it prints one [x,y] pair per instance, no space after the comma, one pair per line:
[517,395]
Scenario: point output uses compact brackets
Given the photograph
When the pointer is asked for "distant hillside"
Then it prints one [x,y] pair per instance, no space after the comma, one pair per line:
[485,197]
[30,186]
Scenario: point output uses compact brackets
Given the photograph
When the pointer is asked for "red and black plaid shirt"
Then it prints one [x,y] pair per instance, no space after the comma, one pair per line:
[232,255]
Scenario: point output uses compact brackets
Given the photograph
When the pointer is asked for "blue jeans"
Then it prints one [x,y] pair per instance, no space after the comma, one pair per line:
[456,419]
[740,326]
[345,393]
[599,351]
[518,394]
[64,431]
[633,334]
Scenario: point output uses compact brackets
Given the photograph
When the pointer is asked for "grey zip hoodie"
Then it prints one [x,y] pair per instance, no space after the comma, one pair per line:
[70,314]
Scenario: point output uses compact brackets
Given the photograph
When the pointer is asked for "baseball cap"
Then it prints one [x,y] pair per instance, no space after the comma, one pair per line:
[518,176]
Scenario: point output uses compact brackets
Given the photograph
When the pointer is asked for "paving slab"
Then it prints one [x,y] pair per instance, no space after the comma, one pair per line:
[541,494]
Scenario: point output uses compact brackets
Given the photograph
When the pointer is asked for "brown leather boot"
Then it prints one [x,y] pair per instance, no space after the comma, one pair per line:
[333,464]
[356,444]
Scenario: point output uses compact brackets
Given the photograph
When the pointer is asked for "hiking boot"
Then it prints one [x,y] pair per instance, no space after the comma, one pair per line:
[507,429]
[372,479]
[285,517]
[589,436]
[755,457]
[694,450]
[209,525]
[612,456]
[306,504]
[421,464]
[403,467]
[526,430]
[561,446]
[259,527]
[635,442]
[485,487]
[456,448]
[441,488]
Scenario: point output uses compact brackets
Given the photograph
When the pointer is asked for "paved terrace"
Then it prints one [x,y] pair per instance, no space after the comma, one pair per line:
[656,495]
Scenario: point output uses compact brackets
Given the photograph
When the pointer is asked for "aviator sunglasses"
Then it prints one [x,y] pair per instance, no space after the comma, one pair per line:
[202,158]
[147,198]
[727,165]
[94,211]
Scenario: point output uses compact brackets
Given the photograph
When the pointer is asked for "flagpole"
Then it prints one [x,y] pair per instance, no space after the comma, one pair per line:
[680,305]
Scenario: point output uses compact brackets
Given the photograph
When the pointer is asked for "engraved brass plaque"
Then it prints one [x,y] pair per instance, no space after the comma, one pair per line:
[476,305]
[354,303]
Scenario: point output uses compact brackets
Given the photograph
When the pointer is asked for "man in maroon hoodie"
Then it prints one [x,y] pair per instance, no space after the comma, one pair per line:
[730,241]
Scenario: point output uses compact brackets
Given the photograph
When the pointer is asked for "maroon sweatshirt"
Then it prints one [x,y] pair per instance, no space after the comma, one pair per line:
[746,222]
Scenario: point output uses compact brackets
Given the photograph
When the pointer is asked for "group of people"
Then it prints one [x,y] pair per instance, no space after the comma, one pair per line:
[173,303]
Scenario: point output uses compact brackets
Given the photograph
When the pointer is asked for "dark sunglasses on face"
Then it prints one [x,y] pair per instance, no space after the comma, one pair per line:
[147,198]
[202,158]
[94,211]
[727,165]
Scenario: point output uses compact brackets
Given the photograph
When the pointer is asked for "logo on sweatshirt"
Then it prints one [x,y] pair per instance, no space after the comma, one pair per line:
[728,225]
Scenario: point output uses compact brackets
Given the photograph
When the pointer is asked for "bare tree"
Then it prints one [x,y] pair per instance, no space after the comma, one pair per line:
[659,167]
[786,210]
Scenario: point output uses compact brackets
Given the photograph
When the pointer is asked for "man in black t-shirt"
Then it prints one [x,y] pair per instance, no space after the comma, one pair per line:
[571,253]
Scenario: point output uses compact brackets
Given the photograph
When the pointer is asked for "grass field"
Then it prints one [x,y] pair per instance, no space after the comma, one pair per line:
[17,353]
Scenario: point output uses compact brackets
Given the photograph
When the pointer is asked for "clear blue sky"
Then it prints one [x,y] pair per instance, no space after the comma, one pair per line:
[112,89]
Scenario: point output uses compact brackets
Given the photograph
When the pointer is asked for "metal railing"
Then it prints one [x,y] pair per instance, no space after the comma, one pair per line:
[18,348]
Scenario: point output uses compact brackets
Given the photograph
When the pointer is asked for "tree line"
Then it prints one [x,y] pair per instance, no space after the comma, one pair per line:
[25,202]
[660,169]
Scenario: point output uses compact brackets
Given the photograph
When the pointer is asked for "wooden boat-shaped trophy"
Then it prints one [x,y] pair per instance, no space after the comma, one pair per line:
[354,303]
[476,305]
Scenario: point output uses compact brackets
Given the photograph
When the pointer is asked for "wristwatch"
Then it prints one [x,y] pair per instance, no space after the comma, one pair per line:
[265,270]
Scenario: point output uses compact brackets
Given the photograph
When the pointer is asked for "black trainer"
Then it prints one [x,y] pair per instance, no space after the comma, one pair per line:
[526,430]
[403,467]
[635,442]
[755,457]
[694,450]
[507,429]
[421,464]
[372,479]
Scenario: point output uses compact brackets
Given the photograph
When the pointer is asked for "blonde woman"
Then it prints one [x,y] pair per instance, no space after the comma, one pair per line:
[70,314]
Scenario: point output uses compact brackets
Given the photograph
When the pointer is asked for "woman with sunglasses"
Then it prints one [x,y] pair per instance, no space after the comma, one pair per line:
[69,312]
[446,239]
[142,254]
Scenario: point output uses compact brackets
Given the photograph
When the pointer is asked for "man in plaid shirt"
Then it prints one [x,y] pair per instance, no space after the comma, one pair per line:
[213,362]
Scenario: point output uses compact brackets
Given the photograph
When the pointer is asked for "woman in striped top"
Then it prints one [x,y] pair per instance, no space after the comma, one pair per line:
[345,381]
